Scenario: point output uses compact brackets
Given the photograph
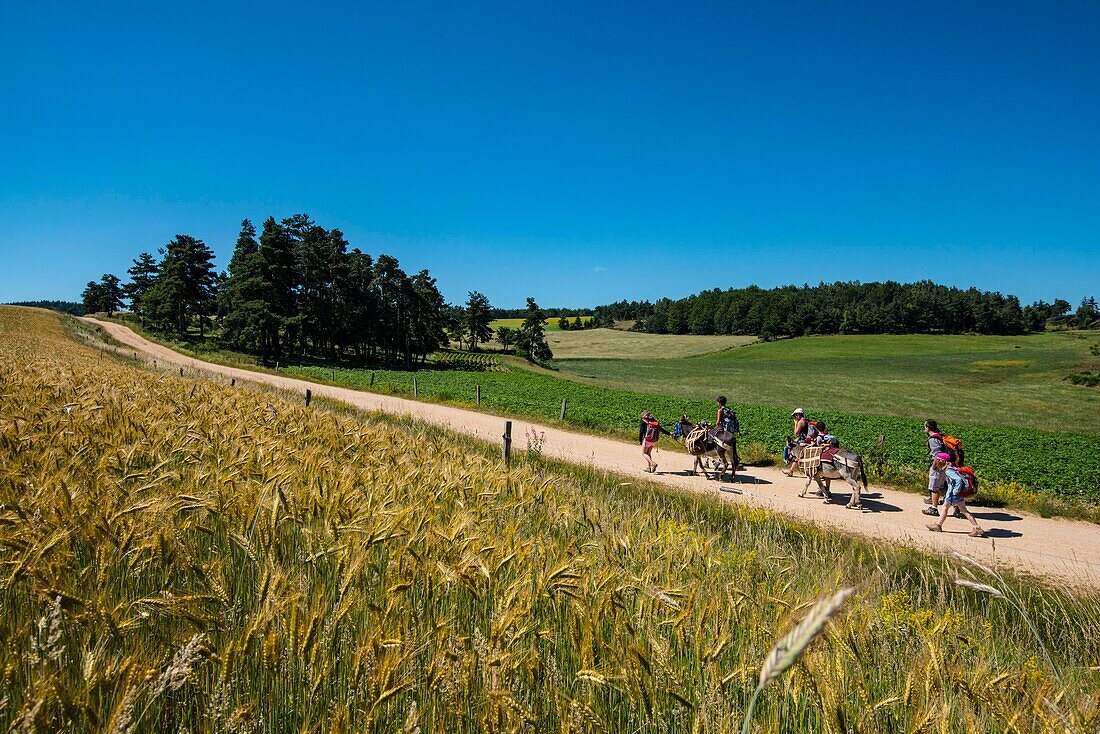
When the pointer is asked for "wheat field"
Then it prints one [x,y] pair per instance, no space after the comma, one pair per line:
[179,555]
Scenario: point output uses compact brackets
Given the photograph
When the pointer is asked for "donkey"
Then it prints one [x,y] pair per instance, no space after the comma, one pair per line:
[846,465]
[700,440]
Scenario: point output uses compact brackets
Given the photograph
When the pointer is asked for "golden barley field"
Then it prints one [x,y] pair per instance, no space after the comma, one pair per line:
[179,555]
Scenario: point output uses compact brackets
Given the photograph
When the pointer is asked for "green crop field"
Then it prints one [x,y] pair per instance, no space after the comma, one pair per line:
[605,343]
[1007,382]
[181,555]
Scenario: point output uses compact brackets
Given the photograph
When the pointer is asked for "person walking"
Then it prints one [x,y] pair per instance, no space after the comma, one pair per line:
[648,432]
[955,484]
[727,422]
[936,476]
[801,435]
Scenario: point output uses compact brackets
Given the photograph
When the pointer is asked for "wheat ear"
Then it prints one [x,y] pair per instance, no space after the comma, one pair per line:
[792,645]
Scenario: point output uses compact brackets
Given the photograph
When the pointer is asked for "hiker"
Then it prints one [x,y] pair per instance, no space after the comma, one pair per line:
[727,422]
[648,433]
[936,476]
[955,485]
[804,432]
[727,418]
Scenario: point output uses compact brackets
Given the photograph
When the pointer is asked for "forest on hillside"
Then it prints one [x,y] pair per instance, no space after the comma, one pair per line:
[848,308]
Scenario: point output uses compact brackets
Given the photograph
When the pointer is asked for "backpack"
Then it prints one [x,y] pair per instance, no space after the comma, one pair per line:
[729,420]
[678,430]
[813,430]
[971,487]
[954,447]
[651,431]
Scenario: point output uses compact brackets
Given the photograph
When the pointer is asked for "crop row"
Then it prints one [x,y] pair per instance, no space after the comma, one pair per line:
[1062,464]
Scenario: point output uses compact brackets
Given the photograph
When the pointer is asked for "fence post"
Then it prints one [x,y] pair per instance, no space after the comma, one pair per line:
[181,372]
[415,393]
[233,382]
[309,396]
[506,449]
[334,374]
[276,365]
[372,379]
[562,416]
[477,392]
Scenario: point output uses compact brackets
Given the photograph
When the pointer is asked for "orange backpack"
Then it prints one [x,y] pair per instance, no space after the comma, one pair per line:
[955,448]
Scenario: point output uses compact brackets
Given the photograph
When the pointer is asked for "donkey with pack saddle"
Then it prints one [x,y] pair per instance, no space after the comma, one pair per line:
[833,464]
[701,439]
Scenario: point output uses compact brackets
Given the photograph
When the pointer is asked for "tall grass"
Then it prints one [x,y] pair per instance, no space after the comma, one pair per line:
[186,556]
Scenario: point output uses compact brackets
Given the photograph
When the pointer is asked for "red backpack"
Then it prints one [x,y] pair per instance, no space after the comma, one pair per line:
[651,430]
[971,487]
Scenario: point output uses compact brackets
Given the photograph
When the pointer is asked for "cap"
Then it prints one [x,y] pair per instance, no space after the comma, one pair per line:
[941,456]
[797,411]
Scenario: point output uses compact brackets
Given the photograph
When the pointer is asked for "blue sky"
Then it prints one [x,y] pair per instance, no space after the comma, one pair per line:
[579,152]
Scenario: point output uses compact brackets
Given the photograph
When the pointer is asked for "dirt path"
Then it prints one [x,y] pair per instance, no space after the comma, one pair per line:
[1064,550]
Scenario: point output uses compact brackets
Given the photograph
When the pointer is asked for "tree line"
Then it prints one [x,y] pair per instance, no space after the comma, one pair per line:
[70,307]
[296,288]
[847,308]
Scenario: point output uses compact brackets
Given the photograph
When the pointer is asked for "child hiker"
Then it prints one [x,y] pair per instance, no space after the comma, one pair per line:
[648,433]
[953,490]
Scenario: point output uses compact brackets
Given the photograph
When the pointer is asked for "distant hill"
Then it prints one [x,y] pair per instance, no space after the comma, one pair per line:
[70,307]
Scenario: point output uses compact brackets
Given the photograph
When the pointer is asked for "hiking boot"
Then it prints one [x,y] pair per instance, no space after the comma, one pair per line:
[977,533]
[930,512]
[935,528]
[927,500]
[959,515]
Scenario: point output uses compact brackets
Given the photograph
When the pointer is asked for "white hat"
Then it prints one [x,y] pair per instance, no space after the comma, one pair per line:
[798,411]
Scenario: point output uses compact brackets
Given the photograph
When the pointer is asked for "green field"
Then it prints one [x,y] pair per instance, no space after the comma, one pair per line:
[1010,382]
[180,555]
[605,343]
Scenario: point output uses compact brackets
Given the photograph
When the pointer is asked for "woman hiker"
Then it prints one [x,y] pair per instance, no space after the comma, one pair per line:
[648,433]
[953,498]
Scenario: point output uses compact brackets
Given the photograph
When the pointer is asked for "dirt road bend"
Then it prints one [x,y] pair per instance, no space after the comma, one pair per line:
[1064,551]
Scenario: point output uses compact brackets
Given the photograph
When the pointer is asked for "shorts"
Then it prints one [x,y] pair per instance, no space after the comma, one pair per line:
[952,497]
[648,444]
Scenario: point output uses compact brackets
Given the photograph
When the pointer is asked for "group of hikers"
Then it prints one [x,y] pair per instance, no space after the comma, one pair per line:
[950,481]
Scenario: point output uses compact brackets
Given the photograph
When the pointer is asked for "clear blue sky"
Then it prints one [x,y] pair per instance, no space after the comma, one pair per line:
[579,152]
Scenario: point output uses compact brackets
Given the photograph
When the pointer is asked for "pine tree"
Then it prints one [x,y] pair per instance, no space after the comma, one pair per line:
[143,275]
[244,295]
[532,334]
[476,319]
[280,280]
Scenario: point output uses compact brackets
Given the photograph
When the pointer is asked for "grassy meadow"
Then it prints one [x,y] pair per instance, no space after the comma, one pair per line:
[998,381]
[550,324]
[612,343]
[179,555]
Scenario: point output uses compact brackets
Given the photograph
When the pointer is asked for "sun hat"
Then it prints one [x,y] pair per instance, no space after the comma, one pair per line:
[941,456]
[797,411]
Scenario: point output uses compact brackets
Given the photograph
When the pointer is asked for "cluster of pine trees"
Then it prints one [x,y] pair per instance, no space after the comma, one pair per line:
[838,308]
[297,289]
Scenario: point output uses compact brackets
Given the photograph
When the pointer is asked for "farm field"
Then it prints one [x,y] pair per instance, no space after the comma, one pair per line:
[186,555]
[612,343]
[550,324]
[1021,467]
[1011,382]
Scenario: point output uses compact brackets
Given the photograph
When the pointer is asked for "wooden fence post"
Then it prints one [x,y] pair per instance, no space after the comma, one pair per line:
[477,392]
[309,396]
[415,393]
[562,416]
[181,372]
[372,379]
[506,449]
[233,382]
